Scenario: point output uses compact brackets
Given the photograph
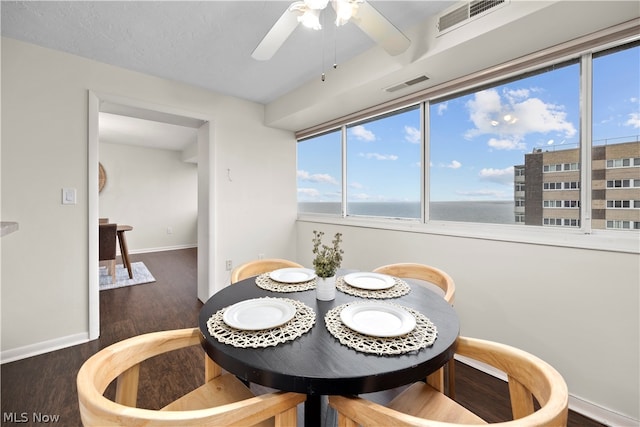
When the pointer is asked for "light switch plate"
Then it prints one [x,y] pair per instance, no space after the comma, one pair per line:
[68,196]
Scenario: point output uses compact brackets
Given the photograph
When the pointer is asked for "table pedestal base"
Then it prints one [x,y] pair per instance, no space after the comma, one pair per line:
[313,411]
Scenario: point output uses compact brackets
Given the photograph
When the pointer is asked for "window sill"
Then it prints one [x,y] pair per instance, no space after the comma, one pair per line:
[601,240]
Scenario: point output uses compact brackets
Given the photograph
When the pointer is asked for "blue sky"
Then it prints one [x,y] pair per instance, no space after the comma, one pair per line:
[476,139]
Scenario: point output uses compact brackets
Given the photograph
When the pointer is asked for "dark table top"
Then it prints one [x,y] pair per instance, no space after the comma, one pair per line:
[316,363]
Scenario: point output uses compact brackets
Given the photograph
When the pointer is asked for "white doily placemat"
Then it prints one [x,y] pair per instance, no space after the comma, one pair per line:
[399,289]
[423,335]
[302,322]
[265,282]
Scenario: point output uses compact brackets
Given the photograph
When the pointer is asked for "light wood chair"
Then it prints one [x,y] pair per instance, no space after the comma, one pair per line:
[423,405]
[107,248]
[222,401]
[443,281]
[422,272]
[259,266]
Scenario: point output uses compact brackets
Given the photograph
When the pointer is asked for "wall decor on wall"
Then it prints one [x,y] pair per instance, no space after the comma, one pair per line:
[102,177]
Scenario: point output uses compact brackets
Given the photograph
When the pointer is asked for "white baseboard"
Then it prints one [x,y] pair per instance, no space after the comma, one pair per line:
[161,249]
[577,404]
[36,349]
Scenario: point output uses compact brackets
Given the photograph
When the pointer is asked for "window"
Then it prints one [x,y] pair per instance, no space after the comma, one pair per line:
[616,144]
[564,167]
[623,183]
[500,152]
[571,185]
[384,167]
[623,225]
[320,174]
[479,141]
[623,163]
[623,204]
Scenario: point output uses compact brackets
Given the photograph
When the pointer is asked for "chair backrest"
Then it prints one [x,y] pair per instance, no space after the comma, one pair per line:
[528,377]
[122,361]
[422,272]
[259,266]
[107,241]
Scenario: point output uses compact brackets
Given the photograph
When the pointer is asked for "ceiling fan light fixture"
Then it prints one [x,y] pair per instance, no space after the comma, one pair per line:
[344,11]
[316,4]
[311,19]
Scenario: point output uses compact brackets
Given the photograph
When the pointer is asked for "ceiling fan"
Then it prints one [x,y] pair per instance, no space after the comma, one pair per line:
[307,13]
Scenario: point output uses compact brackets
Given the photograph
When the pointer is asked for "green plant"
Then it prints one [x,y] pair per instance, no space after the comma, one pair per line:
[327,258]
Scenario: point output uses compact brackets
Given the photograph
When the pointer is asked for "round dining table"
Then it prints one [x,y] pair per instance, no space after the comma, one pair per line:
[316,363]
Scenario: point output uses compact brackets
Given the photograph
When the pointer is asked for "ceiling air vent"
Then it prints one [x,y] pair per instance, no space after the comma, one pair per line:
[408,83]
[460,15]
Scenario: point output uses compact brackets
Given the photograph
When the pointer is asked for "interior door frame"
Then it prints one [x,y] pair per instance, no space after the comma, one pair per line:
[206,166]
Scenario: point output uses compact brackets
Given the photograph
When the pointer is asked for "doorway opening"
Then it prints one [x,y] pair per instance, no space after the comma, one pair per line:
[125,115]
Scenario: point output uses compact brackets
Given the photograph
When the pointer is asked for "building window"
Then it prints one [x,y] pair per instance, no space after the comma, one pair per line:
[561,222]
[570,185]
[623,204]
[561,167]
[623,183]
[623,225]
[623,163]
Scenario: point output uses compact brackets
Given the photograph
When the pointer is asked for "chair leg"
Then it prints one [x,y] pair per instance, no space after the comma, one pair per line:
[112,268]
[451,378]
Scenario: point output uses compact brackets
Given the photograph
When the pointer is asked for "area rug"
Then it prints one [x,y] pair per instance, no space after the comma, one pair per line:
[140,271]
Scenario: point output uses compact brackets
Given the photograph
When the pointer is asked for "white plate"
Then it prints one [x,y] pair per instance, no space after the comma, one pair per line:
[372,281]
[259,313]
[292,275]
[378,319]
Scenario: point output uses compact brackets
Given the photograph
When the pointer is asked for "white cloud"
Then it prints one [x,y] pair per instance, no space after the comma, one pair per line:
[363,134]
[317,177]
[378,156]
[515,115]
[506,144]
[500,176]
[454,164]
[412,134]
[442,107]
[634,120]
[356,185]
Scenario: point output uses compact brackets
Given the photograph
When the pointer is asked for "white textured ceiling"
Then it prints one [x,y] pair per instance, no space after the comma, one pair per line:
[207,43]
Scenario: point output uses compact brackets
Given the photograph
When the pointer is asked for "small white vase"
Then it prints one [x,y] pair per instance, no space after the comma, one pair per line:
[326,288]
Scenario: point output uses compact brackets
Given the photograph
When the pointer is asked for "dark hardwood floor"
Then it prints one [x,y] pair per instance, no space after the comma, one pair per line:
[44,385]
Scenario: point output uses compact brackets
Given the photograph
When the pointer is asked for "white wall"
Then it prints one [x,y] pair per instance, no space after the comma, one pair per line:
[44,148]
[151,190]
[577,309]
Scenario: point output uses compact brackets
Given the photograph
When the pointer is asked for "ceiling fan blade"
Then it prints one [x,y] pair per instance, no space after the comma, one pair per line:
[276,36]
[383,32]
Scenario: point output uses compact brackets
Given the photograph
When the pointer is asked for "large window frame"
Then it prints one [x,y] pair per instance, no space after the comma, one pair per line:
[579,235]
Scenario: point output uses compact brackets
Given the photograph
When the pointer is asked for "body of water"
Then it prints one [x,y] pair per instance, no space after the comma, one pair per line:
[496,212]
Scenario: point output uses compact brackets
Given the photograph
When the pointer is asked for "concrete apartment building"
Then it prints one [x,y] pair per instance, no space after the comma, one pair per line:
[547,187]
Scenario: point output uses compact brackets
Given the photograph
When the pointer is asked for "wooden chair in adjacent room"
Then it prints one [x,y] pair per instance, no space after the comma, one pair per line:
[423,405]
[259,266]
[222,401]
[107,248]
[443,377]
